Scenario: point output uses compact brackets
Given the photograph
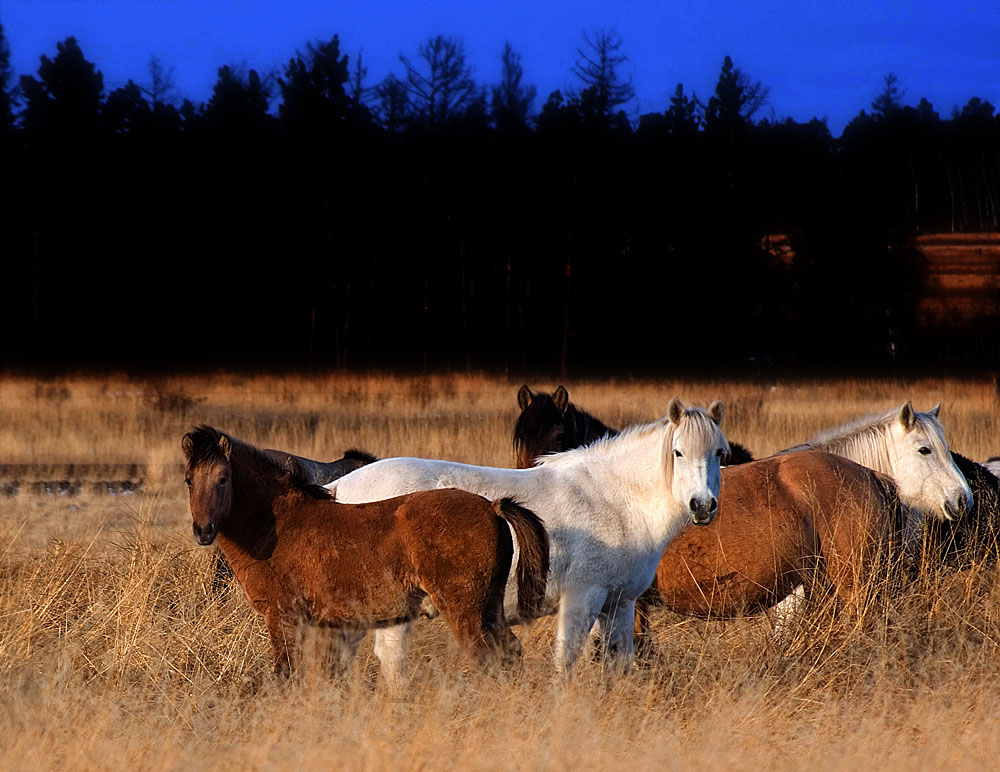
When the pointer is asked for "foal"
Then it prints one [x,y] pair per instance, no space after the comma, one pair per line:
[302,557]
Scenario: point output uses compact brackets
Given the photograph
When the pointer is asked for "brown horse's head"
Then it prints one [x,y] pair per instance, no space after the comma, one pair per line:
[209,479]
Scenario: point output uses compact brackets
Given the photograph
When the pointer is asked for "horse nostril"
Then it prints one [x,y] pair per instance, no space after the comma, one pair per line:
[693,504]
[713,505]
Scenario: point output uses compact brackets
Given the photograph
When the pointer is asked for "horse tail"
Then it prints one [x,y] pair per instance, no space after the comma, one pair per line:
[533,563]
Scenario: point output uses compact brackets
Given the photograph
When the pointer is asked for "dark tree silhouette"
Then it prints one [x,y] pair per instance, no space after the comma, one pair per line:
[598,66]
[239,104]
[443,240]
[125,111]
[888,104]
[6,97]
[392,104]
[315,104]
[440,83]
[66,98]
[682,115]
[511,100]
[736,101]
[162,88]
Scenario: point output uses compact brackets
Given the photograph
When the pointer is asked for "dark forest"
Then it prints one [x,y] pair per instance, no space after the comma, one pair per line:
[309,219]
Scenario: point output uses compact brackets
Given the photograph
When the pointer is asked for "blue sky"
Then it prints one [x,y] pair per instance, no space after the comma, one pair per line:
[819,59]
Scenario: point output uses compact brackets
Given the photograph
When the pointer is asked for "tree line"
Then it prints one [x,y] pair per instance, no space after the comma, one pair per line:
[307,218]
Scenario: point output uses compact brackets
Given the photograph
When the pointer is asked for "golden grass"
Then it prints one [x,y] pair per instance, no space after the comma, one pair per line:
[115,653]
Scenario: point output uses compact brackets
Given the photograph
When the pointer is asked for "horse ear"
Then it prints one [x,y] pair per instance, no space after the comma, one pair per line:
[524,396]
[675,410]
[187,443]
[906,416]
[936,410]
[225,447]
[716,411]
[561,399]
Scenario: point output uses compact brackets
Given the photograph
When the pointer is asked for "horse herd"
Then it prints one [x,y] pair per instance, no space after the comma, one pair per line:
[592,525]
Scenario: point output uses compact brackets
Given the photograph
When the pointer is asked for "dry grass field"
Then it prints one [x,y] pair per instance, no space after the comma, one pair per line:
[116,653]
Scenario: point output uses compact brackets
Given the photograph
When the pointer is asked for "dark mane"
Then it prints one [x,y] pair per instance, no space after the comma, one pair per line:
[360,455]
[205,447]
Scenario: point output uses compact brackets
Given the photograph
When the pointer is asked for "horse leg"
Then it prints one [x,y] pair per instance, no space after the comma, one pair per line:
[222,573]
[343,646]
[617,619]
[578,610]
[390,648]
[283,632]
[644,644]
[787,615]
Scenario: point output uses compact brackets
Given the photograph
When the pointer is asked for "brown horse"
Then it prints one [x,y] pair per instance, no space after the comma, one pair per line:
[312,472]
[779,520]
[302,557]
[550,423]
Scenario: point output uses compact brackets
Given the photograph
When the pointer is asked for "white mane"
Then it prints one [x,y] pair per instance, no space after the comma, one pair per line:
[863,440]
[602,445]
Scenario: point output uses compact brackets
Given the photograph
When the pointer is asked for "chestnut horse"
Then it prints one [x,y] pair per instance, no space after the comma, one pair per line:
[550,423]
[778,519]
[303,558]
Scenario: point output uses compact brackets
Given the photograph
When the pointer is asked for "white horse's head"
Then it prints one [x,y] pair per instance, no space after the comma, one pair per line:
[693,450]
[927,478]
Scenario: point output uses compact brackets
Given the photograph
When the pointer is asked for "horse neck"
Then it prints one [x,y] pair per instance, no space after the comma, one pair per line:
[635,479]
[256,487]
[590,428]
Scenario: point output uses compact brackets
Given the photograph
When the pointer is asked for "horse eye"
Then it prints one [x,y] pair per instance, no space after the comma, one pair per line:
[223,481]
[678,454]
[719,453]
[924,451]
[187,481]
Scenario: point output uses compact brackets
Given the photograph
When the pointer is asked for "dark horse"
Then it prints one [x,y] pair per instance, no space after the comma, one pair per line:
[303,558]
[975,538]
[321,472]
[550,423]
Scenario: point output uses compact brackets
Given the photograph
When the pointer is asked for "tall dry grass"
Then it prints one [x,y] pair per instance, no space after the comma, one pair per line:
[115,651]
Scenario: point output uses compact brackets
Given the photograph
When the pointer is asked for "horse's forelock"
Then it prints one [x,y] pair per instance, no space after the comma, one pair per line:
[204,445]
[700,422]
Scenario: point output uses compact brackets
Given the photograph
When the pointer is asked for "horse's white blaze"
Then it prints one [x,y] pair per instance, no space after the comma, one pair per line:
[610,509]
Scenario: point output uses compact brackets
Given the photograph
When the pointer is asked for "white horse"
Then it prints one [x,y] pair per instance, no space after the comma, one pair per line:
[909,447]
[610,509]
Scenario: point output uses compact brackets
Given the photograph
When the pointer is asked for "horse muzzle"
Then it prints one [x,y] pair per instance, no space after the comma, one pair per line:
[703,510]
[205,534]
[955,509]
